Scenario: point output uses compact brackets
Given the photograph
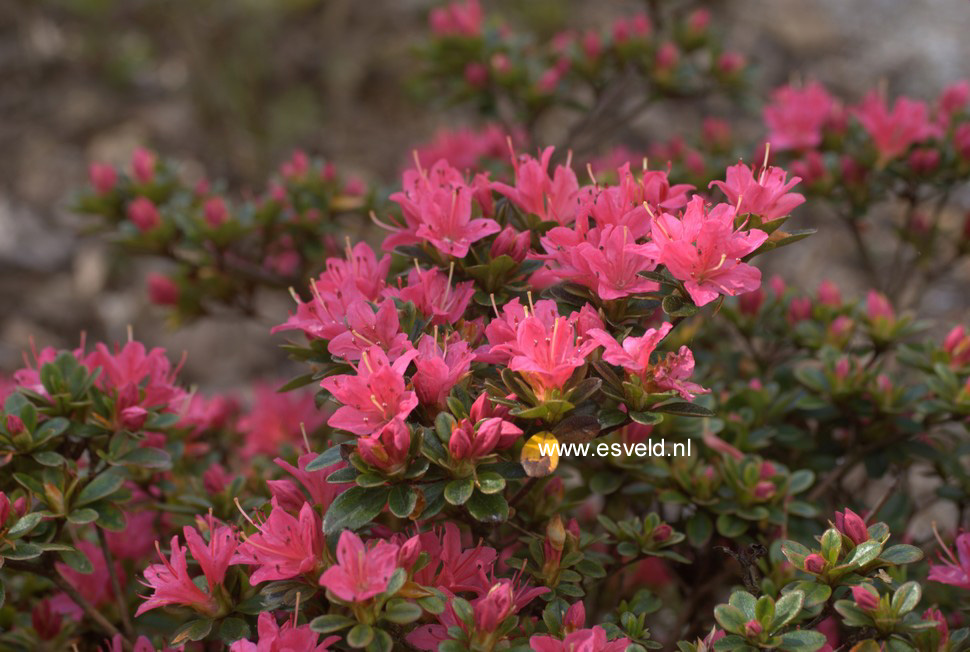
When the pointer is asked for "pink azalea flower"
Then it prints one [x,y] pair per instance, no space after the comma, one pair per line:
[654,188]
[704,250]
[954,569]
[957,346]
[466,147]
[274,419]
[148,373]
[102,177]
[893,132]
[360,574]
[583,640]
[374,396]
[365,328]
[215,212]
[137,540]
[215,555]
[439,369]
[388,449]
[796,116]
[321,492]
[454,567]
[546,357]
[283,546]
[767,196]
[288,638]
[143,214]
[550,198]
[172,584]
[434,296]
[472,441]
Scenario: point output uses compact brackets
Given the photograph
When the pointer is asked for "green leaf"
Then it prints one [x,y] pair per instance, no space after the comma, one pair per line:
[82,516]
[488,508]
[745,602]
[147,457]
[647,418]
[831,545]
[457,492]
[764,612]
[490,482]
[24,525]
[906,598]
[401,612]
[402,500]
[864,553]
[800,481]
[22,552]
[360,636]
[802,640]
[49,458]
[786,609]
[233,629]
[101,486]
[677,306]
[354,508]
[699,529]
[77,560]
[327,458]
[731,526]
[685,410]
[330,623]
[730,618]
[901,554]
[815,593]
[194,630]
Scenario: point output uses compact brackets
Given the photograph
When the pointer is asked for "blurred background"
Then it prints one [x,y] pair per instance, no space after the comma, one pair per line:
[231,87]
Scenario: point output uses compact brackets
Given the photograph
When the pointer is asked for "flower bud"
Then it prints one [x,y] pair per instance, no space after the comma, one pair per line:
[575,617]
[15,425]
[777,284]
[842,368]
[476,74]
[297,166]
[495,607]
[143,165]
[662,532]
[215,212]
[799,309]
[698,21]
[864,598]
[409,552]
[667,57]
[730,63]
[102,177]
[878,307]
[592,45]
[764,490]
[387,450]
[957,346]
[828,294]
[749,303]
[4,508]
[924,160]
[143,214]
[955,97]
[851,525]
[511,243]
[133,418]
[752,629]
[814,563]
[162,291]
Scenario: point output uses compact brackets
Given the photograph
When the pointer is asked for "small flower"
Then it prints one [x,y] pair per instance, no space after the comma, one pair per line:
[893,132]
[360,574]
[283,546]
[588,640]
[546,357]
[162,291]
[388,448]
[435,296]
[753,629]
[172,584]
[143,214]
[213,557]
[439,368]
[274,638]
[767,196]
[796,116]
[143,165]
[215,212]
[954,569]
[550,198]
[102,177]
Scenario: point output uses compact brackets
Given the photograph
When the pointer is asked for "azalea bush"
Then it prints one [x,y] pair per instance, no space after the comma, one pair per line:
[536,410]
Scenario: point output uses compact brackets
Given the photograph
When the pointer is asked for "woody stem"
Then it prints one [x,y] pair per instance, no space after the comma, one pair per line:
[115,584]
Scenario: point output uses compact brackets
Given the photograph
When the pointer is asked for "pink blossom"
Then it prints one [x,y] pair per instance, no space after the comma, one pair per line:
[796,116]
[143,214]
[360,574]
[321,492]
[213,556]
[767,196]
[957,346]
[465,148]
[954,569]
[454,567]
[288,638]
[878,307]
[94,586]
[144,376]
[162,291]
[865,597]
[216,212]
[283,546]
[475,440]
[137,540]
[535,192]
[546,357]
[274,419]
[434,296]
[143,165]
[704,250]
[893,132]
[953,99]
[365,328]
[585,640]
[439,368]
[511,243]
[172,584]
[374,396]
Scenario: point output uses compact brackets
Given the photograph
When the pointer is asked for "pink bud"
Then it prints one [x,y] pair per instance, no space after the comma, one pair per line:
[548,81]
[941,626]
[799,309]
[203,188]
[216,212]
[764,490]
[592,44]
[500,63]
[162,291]
[297,166]
[640,24]
[955,97]
[20,506]
[143,165]
[811,168]
[699,20]
[777,284]
[133,418]
[387,449]
[730,63]
[409,553]
[355,187]
[814,563]
[667,56]
[864,599]
[851,525]
[143,214]
[103,177]
[511,243]
[841,327]
[716,133]
[961,140]
[828,294]
[575,617]
[750,302]
[924,160]
[767,471]
[45,620]
[753,629]
[4,508]
[878,307]
[842,368]
[476,74]
[15,424]
[662,532]
[215,478]
[495,607]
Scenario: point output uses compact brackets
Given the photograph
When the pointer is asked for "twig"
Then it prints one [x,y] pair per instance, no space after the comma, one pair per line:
[115,584]
[521,493]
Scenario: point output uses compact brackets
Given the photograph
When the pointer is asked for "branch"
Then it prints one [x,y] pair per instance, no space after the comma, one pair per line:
[115,584]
